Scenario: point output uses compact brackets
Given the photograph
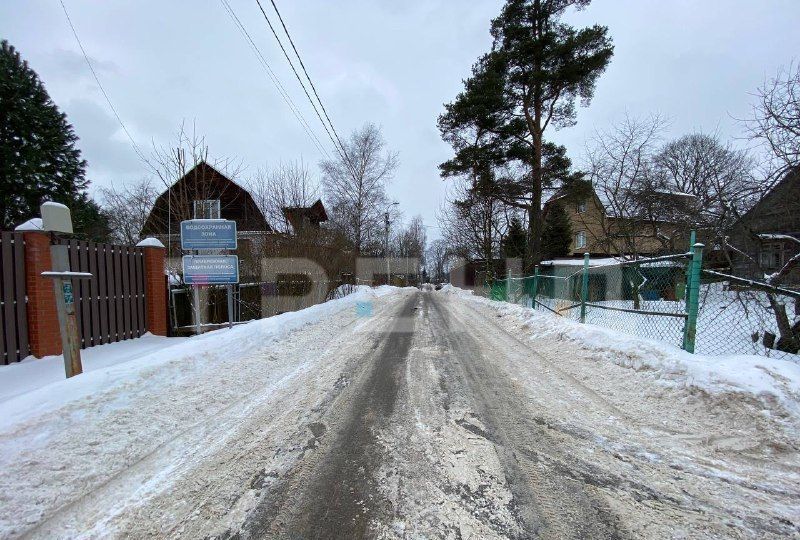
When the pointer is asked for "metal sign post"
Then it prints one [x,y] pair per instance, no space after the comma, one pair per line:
[230,305]
[198,270]
[198,324]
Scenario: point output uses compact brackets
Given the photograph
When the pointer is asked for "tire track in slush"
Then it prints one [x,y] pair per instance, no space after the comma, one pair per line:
[549,503]
[338,498]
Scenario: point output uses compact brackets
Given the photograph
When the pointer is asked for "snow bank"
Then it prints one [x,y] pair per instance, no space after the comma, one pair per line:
[762,377]
[81,453]
[35,387]
[31,374]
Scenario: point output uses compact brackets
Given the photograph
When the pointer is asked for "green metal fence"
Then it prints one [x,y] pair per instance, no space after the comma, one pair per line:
[671,299]
[655,298]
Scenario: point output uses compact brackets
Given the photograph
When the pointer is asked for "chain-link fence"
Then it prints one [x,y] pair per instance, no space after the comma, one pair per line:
[666,298]
[741,316]
[645,298]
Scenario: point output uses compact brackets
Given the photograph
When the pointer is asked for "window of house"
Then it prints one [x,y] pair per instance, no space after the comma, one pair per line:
[582,207]
[771,256]
[580,240]
[206,209]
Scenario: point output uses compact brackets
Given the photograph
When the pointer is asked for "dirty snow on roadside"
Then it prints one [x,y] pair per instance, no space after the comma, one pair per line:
[436,415]
[714,440]
[79,456]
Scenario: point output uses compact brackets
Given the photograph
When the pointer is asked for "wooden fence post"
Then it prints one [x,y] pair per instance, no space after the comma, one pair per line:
[154,289]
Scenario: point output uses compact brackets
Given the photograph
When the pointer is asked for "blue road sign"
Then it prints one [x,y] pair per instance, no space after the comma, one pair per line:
[208,234]
[210,269]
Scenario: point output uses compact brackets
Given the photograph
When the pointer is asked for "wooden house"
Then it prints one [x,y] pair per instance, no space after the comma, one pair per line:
[768,235]
[203,193]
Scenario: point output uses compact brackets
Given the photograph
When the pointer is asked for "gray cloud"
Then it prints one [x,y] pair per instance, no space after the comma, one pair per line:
[392,63]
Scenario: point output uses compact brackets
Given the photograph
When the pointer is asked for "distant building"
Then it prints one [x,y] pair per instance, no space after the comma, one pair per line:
[599,231]
[303,218]
[204,193]
[768,235]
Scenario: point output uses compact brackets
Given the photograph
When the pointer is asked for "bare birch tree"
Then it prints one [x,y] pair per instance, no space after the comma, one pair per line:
[355,186]
[288,185]
[775,121]
[437,257]
[620,166]
[473,225]
[717,176]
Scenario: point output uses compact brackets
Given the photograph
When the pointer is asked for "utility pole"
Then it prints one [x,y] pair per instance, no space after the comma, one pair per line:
[386,249]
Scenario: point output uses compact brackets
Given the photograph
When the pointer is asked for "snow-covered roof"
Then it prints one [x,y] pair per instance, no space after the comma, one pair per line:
[579,262]
[33,224]
[53,204]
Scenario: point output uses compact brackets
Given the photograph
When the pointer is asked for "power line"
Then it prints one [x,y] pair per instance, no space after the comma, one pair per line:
[305,71]
[275,80]
[103,90]
[341,151]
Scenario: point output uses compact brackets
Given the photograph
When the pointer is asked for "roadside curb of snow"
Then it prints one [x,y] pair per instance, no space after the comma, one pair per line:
[241,339]
[770,381]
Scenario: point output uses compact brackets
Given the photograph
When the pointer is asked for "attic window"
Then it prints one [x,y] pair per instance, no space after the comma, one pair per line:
[582,207]
[206,209]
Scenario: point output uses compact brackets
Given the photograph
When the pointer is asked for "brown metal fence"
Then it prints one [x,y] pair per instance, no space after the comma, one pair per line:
[13,314]
[111,306]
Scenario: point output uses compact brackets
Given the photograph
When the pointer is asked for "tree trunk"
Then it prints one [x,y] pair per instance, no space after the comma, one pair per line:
[788,341]
[535,221]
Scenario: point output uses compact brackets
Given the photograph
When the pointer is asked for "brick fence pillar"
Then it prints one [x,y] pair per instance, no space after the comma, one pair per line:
[155,289]
[43,331]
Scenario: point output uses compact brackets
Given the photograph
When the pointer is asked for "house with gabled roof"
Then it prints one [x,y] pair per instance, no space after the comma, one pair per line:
[204,193]
[638,227]
[303,218]
[767,236]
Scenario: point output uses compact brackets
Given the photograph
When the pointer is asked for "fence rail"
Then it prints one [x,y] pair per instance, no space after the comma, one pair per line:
[14,344]
[644,297]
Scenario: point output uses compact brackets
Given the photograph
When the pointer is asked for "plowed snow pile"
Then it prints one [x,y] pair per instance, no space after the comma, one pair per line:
[127,428]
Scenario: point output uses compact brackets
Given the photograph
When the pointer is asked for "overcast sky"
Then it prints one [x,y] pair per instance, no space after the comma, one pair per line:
[390,62]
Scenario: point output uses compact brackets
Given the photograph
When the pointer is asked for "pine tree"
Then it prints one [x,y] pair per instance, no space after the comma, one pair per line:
[38,157]
[514,242]
[538,69]
[557,233]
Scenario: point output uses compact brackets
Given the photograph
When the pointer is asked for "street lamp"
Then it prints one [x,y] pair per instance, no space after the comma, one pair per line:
[386,248]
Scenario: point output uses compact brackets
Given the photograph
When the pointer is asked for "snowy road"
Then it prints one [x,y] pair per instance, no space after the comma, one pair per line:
[433,417]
